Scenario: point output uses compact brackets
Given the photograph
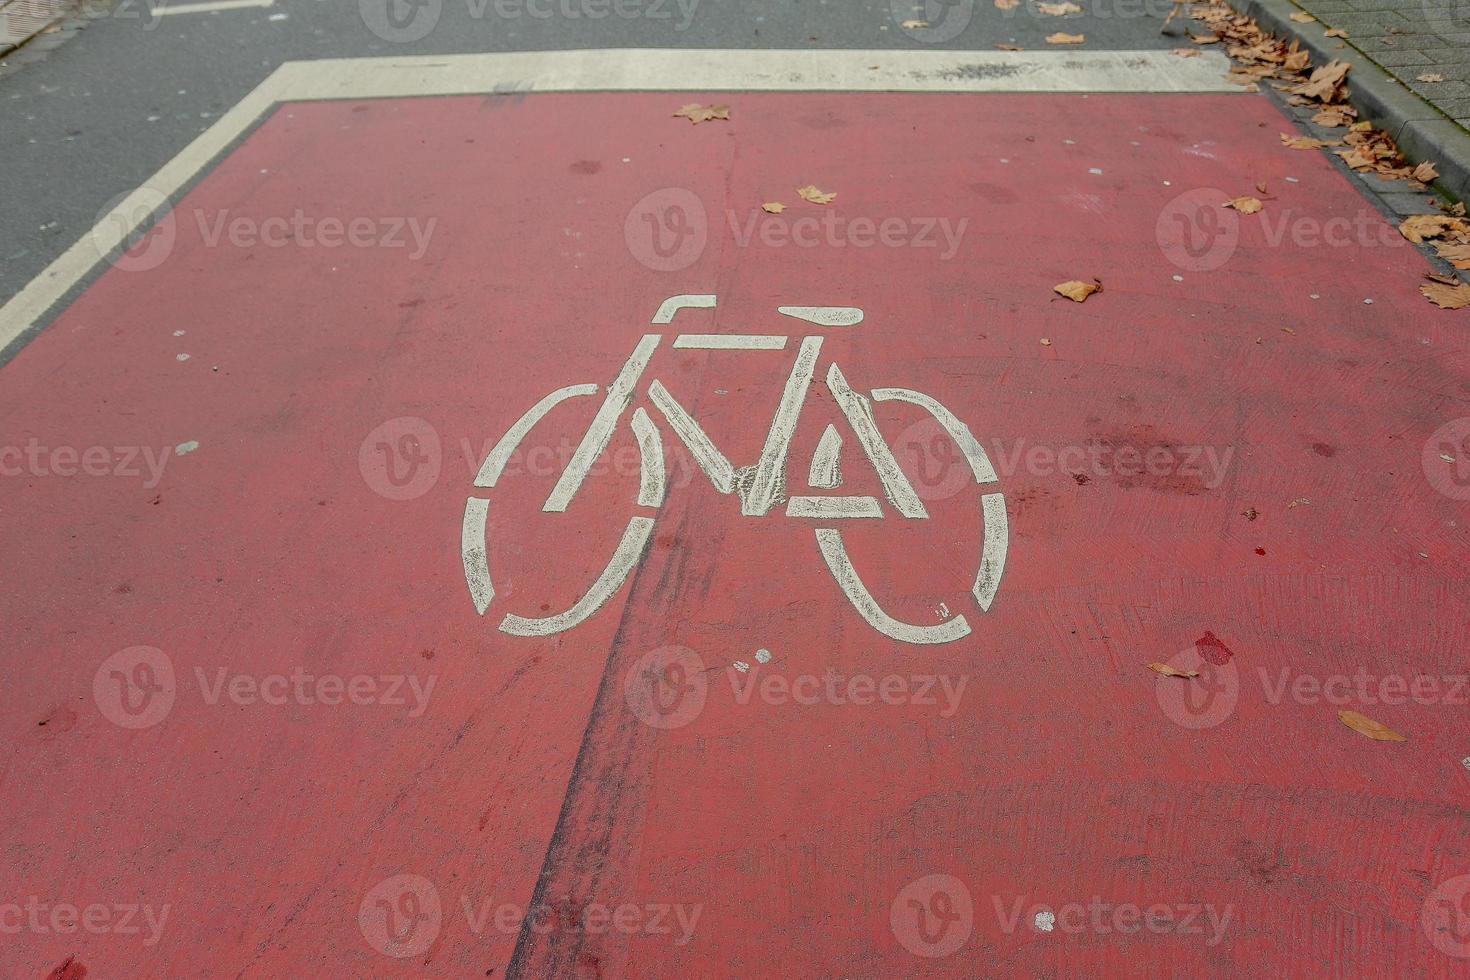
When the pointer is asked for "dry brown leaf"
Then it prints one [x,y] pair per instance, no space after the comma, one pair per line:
[773,207]
[1364,725]
[1334,116]
[909,25]
[1455,254]
[1457,209]
[1419,228]
[1336,32]
[1077,290]
[1245,205]
[815,196]
[1261,187]
[1059,9]
[1045,342]
[1061,38]
[1325,84]
[1304,18]
[1186,52]
[1007,4]
[1429,77]
[1205,38]
[697,113]
[1425,172]
[1306,142]
[1010,47]
[1168,671]
[1445,296]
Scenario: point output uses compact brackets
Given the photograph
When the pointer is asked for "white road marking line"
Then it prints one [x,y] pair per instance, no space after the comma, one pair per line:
[729,341]
[619,394]
[835,553]
[616,70]
[635,536]
[833,507]
[772,466]
[674,304]
[993,555]
[206,8]
[825,472]
[651,469]
[742,70]
[826,316]
[958,431]
[500,455]
[896,486]
[472,550]
[710,460]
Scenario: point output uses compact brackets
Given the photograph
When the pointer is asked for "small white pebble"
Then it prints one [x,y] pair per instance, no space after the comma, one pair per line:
[1178,278]
[742,666]
[763,656]
[182,357]
[178,333]
[1168,183]
[1367,302]
[1046,921]
[1316,296]
[1292,180]
[1094,170]
[1070,142]
[185,448]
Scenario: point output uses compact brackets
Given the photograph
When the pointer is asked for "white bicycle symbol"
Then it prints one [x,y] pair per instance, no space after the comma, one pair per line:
[758,486]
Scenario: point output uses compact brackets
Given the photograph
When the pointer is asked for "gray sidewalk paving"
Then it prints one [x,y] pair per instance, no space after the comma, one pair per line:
[1410,39]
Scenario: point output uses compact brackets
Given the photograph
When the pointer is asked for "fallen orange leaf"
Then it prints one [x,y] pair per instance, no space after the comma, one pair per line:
[911,24]
[1306,142]
[1445,296]
[1009,47]
[1186,52]
[1076,290]
[697,113]
[1059,9]
[1425,172]
[773,207]
[1302,18]
[1245,205]
[1060,38]
[815,196]
[1007,4]
[1364,725]
[1168,671]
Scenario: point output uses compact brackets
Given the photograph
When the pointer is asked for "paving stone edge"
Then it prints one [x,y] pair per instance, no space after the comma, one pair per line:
[1421,131]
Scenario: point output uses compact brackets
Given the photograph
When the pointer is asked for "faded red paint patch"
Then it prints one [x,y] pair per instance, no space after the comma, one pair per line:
[1211,650]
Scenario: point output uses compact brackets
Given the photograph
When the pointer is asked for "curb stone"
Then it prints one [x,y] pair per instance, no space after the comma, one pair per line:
[1421,131]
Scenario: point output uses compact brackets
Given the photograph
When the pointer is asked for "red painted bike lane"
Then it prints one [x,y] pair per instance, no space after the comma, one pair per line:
[251,696]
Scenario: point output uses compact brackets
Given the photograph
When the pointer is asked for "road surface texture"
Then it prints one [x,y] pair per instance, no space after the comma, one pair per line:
[754,489]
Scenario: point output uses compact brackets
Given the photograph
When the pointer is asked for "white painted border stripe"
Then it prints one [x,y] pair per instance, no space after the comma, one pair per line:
[679,70]
[208,8]
[610,70]
[729,341]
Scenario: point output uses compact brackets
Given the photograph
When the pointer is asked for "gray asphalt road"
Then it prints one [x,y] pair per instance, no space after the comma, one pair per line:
[98,115]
